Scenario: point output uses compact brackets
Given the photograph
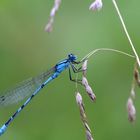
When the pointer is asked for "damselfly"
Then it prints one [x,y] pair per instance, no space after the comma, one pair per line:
[33,85]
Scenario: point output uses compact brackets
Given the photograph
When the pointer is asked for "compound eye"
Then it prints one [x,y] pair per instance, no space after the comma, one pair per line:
[69,55]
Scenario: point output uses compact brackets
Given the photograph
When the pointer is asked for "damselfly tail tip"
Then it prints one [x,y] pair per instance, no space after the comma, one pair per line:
[3,129]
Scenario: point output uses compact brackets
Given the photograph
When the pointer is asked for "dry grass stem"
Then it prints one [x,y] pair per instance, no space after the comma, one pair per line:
[126,32]
[93,52]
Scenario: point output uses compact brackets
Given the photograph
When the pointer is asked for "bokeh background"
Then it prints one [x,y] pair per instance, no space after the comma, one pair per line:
[26,50]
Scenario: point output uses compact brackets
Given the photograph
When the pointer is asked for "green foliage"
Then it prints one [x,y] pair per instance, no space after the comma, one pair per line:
[26,50]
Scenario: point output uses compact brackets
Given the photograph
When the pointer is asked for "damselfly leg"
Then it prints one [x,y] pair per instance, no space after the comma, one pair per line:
[79,81]
[75,70]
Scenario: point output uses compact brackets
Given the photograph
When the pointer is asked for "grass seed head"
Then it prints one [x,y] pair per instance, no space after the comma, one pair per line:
[90,93]
[96,5]
[78,98]
[131,110]
[136,76]
[84,67]
[49,26]
[88,135]
[84,81]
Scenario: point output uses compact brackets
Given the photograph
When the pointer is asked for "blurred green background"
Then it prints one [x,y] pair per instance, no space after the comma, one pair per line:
[26,50]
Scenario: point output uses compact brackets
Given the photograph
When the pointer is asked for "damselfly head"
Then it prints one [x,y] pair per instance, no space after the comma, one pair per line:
[72,57]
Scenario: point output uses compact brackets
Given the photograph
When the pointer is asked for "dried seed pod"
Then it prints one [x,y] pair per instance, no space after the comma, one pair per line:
[90,93]
[78,98]
[84,67]
[83,116]
[136,76]
[87,127]
[96,5]
[131,110]
[79,101]
[84,81]
[88,135]
[55,7]
[49,26]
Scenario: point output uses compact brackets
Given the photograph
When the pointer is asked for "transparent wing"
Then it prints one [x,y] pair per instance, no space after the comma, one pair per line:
[23,89]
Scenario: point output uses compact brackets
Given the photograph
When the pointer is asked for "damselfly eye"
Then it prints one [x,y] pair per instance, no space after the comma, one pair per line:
[72,57]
